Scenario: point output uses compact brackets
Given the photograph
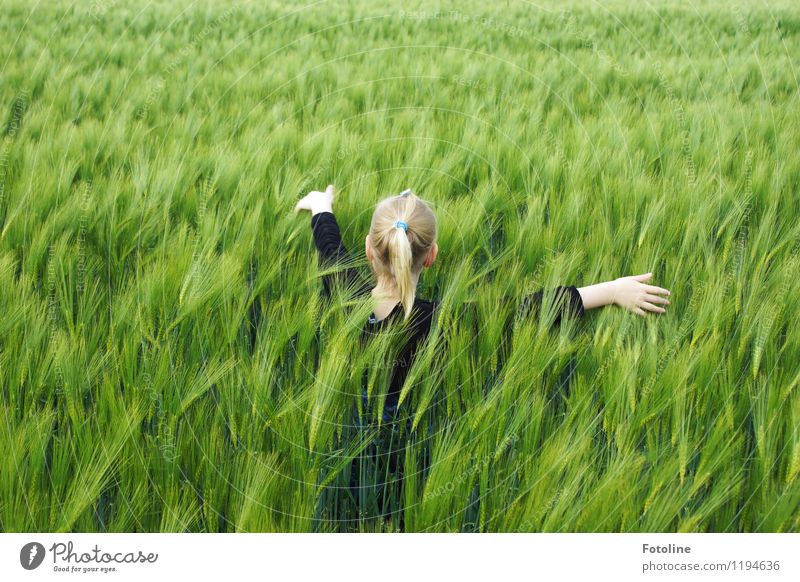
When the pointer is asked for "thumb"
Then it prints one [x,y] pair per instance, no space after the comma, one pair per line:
[329,189]
[644,277]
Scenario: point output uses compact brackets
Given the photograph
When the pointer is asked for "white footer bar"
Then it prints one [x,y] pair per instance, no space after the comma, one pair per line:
[406,557]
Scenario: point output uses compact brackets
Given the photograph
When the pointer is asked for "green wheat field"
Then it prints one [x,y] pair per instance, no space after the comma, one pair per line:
[168,361]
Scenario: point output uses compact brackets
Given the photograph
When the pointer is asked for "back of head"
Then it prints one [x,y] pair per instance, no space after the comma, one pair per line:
[402,232]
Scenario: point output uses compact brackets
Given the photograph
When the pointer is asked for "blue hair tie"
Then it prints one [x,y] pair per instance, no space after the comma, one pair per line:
[401,224]
[405,193]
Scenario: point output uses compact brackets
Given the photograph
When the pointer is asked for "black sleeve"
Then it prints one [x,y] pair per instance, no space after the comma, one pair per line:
[567,303]
[332,253]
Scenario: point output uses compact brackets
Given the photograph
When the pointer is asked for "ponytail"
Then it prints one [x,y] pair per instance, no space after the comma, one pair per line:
[403,230]
[401,263]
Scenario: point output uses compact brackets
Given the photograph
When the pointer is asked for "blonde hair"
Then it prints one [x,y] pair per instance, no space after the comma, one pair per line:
[402,232]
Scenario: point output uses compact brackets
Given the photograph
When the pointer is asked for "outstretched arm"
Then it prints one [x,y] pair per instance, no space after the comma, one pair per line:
[631,293]
[328,240]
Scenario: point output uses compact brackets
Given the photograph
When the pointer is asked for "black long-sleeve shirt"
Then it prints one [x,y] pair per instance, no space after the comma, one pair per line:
[332,252]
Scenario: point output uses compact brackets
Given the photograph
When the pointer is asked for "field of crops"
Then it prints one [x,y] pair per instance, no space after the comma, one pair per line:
[167,360]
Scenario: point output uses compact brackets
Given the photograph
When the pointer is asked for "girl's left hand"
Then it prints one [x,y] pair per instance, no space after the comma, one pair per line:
[317,202]
[634,294]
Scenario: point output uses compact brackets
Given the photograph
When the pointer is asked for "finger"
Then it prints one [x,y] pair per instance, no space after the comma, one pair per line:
[300,205]
[659,290]
[644,277]
[656,299]
[654,308]
[329,189]
[638,311]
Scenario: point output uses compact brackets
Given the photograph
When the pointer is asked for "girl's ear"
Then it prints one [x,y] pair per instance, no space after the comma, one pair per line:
[368,248]
[431,256]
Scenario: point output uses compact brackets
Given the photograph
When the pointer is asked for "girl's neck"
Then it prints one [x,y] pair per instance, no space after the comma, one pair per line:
[385,296]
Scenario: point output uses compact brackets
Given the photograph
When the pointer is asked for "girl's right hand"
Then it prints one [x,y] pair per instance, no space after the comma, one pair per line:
[634,295]
[317,202]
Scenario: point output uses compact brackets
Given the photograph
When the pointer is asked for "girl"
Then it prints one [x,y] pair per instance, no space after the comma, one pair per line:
[402,241]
